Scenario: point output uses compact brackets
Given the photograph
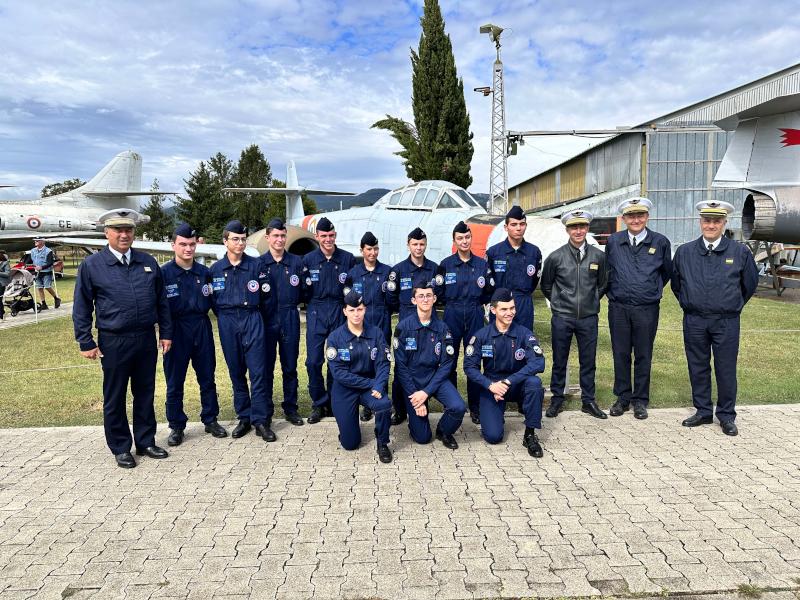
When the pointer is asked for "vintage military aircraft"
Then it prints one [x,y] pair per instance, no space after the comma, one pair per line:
[74,213]
[763,158]
[435,206]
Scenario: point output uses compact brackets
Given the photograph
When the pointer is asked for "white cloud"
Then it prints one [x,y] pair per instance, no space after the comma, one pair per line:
[305,79]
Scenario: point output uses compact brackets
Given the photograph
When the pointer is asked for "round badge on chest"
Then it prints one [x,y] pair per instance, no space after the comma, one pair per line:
[481,282]
[342,277]
[373,354]
[252,285]
[294,280]
[519,354]
[531,270]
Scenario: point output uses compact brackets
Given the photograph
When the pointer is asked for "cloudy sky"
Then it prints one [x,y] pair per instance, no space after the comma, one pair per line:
[305,79]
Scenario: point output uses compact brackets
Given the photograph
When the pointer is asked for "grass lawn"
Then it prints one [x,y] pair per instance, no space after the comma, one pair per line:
[72,395]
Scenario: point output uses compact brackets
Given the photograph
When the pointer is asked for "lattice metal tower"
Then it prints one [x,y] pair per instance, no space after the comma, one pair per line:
[498,170]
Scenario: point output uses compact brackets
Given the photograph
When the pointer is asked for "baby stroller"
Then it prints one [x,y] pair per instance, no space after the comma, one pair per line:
[18,296]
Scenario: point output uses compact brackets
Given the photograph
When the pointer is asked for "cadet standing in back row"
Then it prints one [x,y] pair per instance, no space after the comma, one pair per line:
[325,271]
[125,289]
[468,286]
[516,265]
[282,318]
[713,278]
[188,286]
[240,288]
[370,279]
[639,266]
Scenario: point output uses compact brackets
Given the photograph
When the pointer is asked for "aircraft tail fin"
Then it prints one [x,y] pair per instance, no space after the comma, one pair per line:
[764,153]
[294,201]
[108,189]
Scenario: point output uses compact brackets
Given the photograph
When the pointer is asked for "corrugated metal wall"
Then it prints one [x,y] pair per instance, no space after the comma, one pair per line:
[680,169]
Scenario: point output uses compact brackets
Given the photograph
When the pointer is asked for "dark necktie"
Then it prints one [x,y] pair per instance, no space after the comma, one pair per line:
[124,260]
[710,248]
[634,242]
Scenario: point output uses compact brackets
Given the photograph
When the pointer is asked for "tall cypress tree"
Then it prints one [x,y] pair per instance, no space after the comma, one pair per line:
[439,144]
[207,208]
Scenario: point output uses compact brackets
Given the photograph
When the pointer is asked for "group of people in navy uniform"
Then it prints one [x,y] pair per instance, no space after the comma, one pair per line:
[349,305]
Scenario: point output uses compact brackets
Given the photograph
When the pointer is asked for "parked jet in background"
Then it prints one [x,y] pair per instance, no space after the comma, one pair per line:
[764,159]
[435,206]
[74,213]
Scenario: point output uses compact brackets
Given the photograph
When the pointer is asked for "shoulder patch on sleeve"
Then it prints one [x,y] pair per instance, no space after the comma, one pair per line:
[330,353]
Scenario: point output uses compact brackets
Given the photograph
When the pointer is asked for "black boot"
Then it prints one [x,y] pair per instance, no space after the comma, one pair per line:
[531,442]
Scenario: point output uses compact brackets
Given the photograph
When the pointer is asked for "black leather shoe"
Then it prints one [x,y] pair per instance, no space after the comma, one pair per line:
[475,418]
[696,420]
[294,419]
[58,302]
[175,437]
[397,418]
[729,428]
[41,307]
[125,460]
[384,454]
[317,414]
[640,410]
[555,408]
[447,440]
[591,408]
[366,414]
[153,452]
[242,429]
[215,429]
[531,442]
[265,431]
[619,408]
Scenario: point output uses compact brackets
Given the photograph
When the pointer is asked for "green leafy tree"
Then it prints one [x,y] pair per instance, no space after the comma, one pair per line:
[59,188]
[207,208]
[438,145]
[252,171]
[161,224]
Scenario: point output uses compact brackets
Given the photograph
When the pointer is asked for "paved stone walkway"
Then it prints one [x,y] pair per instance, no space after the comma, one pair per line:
[616,508]
[29,317]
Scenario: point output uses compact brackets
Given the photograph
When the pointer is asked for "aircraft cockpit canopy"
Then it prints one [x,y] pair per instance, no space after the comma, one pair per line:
[430,195]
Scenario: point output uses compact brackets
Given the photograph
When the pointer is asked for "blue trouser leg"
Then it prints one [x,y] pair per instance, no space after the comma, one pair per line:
[419,428]
[463,324]
[454,408]
[399,399]
[382,409]
[128,359]
[316,333]
[633,331]
[492,419]
[272,334]
[697,344]
[586,336]
[261,406]
[620,328]
[289,348]
[233,351]
[524,305]
[530,395]
[561,329]
[645,327]
[725,346]
[344,403]
[204,363]
[176,364]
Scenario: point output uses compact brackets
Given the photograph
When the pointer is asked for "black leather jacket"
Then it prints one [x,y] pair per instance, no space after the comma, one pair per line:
[575,288]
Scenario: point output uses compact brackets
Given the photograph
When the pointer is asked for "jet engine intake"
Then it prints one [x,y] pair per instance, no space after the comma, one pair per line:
[298,241]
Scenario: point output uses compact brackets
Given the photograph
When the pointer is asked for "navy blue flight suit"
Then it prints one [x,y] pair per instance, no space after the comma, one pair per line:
[372,287]
[515,356]
[282,326]
[424,357]
[128,300]
[238,295]
[359,364]
[399,291]
[636,278]
[189,296]
[468,286]
[324,293]
[712,287]
[517,270]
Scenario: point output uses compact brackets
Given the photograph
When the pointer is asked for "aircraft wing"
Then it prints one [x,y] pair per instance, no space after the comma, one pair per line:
[213,251]
[21,236]
[283,190]
[99,194]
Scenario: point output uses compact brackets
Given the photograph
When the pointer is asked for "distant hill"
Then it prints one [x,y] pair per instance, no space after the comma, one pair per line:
[331,203]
